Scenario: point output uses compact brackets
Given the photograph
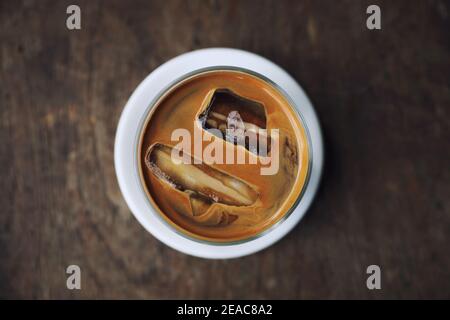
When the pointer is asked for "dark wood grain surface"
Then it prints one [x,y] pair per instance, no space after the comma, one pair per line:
[383,99]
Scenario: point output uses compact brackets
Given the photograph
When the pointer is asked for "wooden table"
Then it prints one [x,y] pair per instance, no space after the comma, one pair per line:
[382,96]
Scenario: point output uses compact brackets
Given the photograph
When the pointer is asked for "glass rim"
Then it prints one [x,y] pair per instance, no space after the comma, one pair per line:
[139,140]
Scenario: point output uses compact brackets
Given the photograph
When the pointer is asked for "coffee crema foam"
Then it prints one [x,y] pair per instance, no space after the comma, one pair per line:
[238,117]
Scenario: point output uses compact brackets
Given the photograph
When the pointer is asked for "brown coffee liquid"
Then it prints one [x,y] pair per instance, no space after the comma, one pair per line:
[223,202]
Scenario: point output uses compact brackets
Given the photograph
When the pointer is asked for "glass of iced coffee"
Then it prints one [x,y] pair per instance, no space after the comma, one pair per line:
[223,155]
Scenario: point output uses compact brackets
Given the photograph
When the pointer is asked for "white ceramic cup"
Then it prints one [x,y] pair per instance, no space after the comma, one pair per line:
[131,123]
